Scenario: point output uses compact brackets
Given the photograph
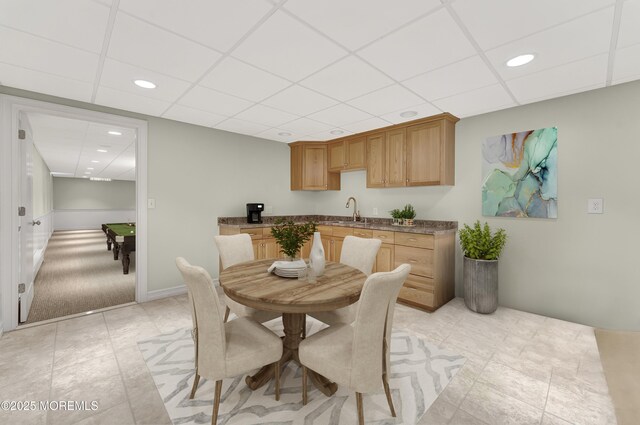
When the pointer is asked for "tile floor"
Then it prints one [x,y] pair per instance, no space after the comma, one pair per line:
[521,368]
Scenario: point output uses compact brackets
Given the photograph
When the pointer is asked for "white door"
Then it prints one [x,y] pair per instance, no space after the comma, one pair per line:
[26,223]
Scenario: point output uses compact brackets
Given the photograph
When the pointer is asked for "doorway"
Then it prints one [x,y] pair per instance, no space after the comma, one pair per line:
[76,233]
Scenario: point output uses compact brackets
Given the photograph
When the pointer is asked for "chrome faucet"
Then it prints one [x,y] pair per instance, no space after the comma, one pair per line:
[356,213]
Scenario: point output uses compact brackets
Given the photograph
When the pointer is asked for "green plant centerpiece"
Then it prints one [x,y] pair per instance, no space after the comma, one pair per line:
[291,236]
[481,248]
[408,214]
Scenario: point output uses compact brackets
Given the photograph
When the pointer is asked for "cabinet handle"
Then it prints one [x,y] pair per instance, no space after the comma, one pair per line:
[412,260]
[407,180]
[382,237]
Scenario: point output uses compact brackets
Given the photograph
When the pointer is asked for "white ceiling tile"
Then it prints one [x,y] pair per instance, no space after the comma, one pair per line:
[354,23]
[127,175]
[120,76]
[28,51]
[476,102]
[240,126]
[339,115]
[388,99]
[212,101]
[629,24]
[459,77]
[570,78]
[266,116]
[130,102]
[299,100]
[41,82]
[419,47]
[327,135]
[147,46]
[193,116]
[278,135]
[350,77]
[242,80]
[288,48]
[424,110]
[578,39]
[45,19]
[627,64]
[218,24]
[305,126]
[366,125]
[495,22]
[99,133]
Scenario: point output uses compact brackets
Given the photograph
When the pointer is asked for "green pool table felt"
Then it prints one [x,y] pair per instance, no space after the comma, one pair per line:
[123,229]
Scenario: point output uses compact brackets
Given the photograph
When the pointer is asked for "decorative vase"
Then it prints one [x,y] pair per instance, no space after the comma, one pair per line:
[316,257]
[481,285]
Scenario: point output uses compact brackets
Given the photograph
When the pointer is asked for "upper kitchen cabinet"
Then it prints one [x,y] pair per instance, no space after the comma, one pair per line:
[347,154]
[309,167]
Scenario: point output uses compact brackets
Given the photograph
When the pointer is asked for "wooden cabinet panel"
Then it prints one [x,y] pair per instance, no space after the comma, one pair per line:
[362,233]
[414,239]
[296,167]
[396,172]
[356,153]
[420,259]
[423,154]
[271,249]
[413,296]
[325,230]
[384,259]
[314,167]
[257,249]
[337,156]
[342,231]
[384,235]
[254,232]
[421,282]
[327,245]
[337,249]
[376,160]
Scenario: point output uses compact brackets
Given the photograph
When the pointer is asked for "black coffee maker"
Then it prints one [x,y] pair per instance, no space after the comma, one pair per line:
[254,213]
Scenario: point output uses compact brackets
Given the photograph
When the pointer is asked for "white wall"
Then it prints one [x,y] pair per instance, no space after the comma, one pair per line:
[578,267]
[42,208]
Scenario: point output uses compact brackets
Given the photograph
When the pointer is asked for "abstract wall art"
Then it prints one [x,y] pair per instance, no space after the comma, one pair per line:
[520,174]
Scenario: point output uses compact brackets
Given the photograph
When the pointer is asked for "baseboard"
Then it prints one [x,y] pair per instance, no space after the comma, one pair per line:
[164,293]
[1,329]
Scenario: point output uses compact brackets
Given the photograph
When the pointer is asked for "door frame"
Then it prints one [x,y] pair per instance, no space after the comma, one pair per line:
[10,108]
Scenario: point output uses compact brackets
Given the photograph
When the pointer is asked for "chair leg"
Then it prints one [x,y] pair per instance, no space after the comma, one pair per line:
[387,391]
[304,385]
[226,314]
[276,366]
[304,327]
[216,402]
[360,410]
[195,385]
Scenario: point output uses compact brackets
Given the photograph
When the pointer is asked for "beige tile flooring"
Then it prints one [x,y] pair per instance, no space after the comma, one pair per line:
[521,368]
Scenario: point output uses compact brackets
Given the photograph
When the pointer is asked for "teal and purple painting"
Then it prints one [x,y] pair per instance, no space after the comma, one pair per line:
[521,174]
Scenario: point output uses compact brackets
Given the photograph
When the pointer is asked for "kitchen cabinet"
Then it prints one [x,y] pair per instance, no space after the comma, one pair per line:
[347,154]
[309,168]
[385,258]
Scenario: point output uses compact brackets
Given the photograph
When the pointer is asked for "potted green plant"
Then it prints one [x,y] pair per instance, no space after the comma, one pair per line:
[291,236]
[396,215]
[408,214]
[480,268]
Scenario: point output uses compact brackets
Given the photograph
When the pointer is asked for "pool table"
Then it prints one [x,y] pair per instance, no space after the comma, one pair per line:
[123,238]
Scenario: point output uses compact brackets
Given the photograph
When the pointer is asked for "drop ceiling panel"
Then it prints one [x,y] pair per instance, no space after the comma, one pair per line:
[42,82]
[299,100]
[130,102]
[339,115]
[274,134]
[128,175]
[138,43]
[496,22]
[47,19]
[36,53]
[193,116]
[477,101]
[418,47]
[242,127]
[288,48]
[305,126]
[213,101]
[265,115]
[468,74]
[356,22]
[327,135]
[350,77]
[366,125]
[629,24]
[627,64]
[578,39]
[217,24]
[386,100]
[424,110]
[242,80]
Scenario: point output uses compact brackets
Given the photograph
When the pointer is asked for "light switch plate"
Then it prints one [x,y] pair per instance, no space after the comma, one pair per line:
[595,206]
[151,203]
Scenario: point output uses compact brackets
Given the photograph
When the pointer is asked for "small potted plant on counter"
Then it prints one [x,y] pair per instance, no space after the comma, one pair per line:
[396,215]
[480,276]
[408,214]
[291,236]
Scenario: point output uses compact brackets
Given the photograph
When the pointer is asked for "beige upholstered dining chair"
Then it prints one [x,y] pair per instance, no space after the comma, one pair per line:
[235,249]
[355,355]
[359,253]
[225,349]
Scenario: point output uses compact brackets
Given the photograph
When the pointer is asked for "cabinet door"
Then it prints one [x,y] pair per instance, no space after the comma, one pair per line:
[305,251]
[423,154]
[271,249]
[337,249]
[396,173]
[258,252]
[327,245]
[376,160]
[384,259]
[356,150]
[337,156]
[314,167]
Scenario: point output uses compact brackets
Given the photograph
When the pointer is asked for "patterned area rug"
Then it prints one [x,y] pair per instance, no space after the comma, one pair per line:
[419,372]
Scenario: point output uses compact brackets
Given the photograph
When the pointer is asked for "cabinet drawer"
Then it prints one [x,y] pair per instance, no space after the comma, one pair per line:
[254,232]
[420,282]
[421,260]
[384,235]
[362,233]
[341,232]
[414,239]
[266,232]
[416,296]
[324,230]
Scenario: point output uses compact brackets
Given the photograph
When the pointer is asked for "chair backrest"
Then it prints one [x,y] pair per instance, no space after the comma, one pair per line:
[207,320]
[378,295]
[234,249]
[360,253]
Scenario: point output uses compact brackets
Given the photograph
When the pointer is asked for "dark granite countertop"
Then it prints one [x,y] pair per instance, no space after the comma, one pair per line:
[421,226]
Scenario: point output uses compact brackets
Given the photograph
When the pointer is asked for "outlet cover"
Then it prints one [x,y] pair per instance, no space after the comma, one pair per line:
[151,203]
[595,206]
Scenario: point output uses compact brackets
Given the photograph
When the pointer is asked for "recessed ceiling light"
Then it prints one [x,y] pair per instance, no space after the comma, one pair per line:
[284,134]
[408,114]
[114,133]
[144,84]
[336,132]
[102,150]
[94,161]
[520,60]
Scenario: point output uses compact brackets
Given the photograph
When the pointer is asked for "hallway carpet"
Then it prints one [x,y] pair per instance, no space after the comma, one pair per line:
[79,275]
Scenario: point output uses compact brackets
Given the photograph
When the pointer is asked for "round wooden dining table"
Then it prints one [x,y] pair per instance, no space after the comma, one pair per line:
[252,285]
